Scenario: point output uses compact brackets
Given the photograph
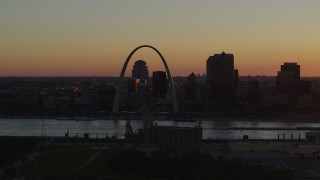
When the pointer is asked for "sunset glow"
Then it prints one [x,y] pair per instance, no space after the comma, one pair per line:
[77,37]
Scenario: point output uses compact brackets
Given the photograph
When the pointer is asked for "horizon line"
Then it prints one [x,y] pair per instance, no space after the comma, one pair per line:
[69,76]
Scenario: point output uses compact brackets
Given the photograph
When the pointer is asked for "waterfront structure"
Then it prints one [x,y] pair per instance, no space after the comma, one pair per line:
[171,140]
[293,149]
[174,140]
[159,84]
[313,137]
[221,75]
[120,80]
[140,71]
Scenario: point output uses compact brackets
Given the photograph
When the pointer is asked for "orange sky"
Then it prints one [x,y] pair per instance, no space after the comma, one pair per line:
[77,37]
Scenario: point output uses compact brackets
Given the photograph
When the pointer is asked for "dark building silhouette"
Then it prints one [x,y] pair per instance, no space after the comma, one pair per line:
[289,85]
[138,85]
[28,95]
[8,97]
[140,71]
[191,78]
[294,68]
[86,94]
[287,82]
[221,75]
[143,94]
[132,86]
[105,95]
[192,95]
[159,84]
[254,92]
[304,87]
[236,79]
[174,140]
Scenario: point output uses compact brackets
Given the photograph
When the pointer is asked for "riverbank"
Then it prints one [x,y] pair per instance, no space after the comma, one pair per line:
[225,113]
[194,119]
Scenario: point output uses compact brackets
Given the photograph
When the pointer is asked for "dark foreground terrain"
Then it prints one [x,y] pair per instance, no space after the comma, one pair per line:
[44,158]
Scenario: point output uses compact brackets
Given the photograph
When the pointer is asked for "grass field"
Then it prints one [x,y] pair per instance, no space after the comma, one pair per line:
[91,160]
[62,160]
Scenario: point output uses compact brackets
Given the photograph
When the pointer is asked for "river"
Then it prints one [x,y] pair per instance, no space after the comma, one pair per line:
[211,129]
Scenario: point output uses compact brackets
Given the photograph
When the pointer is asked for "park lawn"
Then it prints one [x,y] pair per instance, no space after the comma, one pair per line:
[56,162]
[96,167]
[99,165]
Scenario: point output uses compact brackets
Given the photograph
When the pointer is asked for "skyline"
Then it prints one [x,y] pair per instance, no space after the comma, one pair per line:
[57,38]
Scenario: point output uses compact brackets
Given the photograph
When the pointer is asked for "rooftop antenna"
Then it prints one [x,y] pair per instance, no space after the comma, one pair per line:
[299,59]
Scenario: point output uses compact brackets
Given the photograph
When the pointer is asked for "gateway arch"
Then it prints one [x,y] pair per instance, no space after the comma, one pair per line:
[118,90]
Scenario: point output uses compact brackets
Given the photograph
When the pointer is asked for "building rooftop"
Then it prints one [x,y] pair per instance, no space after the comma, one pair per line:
[223,54]
[140,62]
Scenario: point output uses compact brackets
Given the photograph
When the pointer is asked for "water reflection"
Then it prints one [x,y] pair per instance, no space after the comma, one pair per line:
[211,129]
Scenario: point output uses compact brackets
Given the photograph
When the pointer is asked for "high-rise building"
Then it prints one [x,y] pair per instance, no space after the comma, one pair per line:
[293,68]
[289,84]
[288,80]
[132,86]
[159,84]
[221,75]
[140,71]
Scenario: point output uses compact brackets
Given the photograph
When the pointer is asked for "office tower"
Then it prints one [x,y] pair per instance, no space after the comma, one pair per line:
[140,71]
[288,78]
[221,75]
[291,68]
[305,87]
[288,82]
[159,84]
[132,86]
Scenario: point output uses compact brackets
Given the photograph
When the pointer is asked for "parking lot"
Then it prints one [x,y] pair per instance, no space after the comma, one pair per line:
[299,168]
